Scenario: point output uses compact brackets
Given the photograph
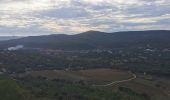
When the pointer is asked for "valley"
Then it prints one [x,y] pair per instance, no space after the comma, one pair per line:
[84,49]
[115,68]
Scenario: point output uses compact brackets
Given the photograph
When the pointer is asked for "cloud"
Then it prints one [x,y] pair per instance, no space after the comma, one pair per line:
[66,12]
[32,17]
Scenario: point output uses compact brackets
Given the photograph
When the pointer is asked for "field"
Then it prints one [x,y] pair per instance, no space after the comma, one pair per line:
[157,88]
[92,75]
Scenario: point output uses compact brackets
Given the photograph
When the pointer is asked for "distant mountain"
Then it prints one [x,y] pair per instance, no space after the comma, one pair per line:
[95,40]
[4,38]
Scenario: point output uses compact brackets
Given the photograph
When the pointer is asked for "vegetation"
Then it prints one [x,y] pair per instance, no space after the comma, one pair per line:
[70,85]
[44,84]
[74,90]
[153,61]
[10,90]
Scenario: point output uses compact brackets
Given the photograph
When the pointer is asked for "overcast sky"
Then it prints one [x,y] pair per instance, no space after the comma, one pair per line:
[40,17]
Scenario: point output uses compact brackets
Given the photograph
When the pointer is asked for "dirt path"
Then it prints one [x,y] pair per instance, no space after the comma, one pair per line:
[116,82]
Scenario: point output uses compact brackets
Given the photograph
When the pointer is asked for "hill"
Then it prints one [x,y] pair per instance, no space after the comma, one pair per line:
[95,40]
[5,38]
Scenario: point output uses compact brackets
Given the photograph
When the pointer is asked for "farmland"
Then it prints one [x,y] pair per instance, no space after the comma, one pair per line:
[95,75]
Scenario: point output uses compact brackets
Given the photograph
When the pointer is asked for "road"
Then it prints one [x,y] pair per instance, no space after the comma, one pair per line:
[116,82]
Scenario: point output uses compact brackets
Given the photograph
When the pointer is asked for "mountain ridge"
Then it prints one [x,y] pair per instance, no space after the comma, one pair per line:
[5,38]
[95,40]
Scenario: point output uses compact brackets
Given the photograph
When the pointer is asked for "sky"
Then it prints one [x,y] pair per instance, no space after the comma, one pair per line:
[43,17]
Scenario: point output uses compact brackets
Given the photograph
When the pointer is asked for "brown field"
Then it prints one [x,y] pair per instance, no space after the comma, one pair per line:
[90,75]
[104,74]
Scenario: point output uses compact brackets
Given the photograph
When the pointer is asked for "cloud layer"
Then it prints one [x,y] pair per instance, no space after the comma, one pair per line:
[39,17]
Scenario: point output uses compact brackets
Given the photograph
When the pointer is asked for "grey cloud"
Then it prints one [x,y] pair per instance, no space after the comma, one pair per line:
[65,12]
[79,15]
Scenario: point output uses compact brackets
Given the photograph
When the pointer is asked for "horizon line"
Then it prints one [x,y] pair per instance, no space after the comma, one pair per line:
[77,33]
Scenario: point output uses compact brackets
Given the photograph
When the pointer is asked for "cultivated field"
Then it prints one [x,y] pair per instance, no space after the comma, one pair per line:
[105,75]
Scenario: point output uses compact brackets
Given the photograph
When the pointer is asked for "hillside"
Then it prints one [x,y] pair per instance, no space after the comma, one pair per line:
[10,90]
[95,40]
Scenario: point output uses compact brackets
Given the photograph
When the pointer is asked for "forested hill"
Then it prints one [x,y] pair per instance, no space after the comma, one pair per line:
[95,40]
